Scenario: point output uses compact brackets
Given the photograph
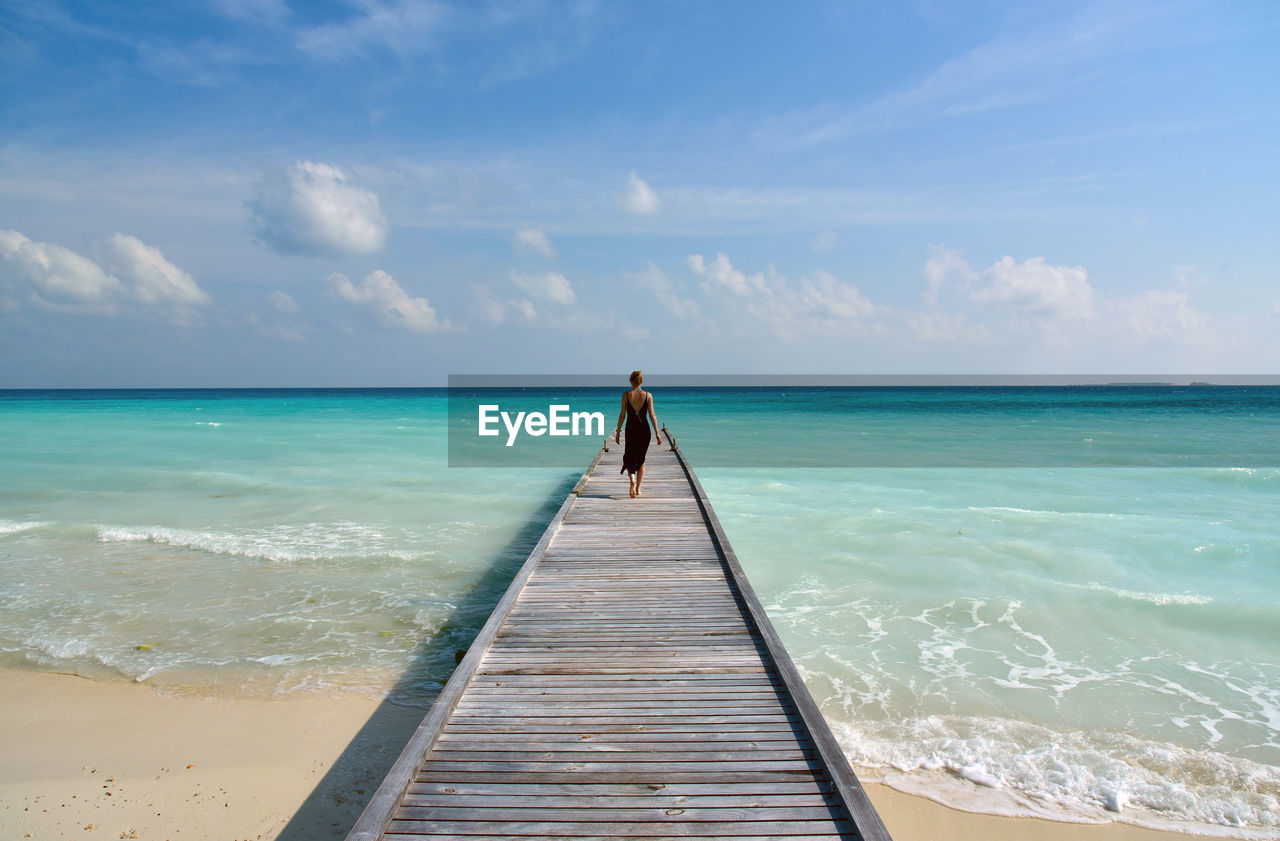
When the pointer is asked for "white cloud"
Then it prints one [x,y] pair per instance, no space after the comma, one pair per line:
[829,299]
[381,293]
[1034,284]
[654,279]
[283,301]
[1161,314]
[134,273]
[551,286]
[824,241]
[403,28]
[535,240]
[154,279]
[817,303]
[640,197]
[942,266]
[496,310]
[723,277]
[1058,306]
[312,208]
[58,278]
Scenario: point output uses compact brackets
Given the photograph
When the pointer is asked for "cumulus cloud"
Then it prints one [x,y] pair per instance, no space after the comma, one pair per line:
[535,241]
[1049,299]
[943,265]
[1161,314]
[129,273]
[654,279]
[640,197]
[1035,284]
[722,277]
[56,277]
[828,298]
[815,303]
[151,278]
[313,208]
[550,286]
[497,310]
[394,307]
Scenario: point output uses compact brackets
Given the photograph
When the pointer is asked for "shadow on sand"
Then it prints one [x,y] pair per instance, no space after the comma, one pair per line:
[336,802]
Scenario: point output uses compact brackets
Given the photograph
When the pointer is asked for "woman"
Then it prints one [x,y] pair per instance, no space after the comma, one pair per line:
[636,404]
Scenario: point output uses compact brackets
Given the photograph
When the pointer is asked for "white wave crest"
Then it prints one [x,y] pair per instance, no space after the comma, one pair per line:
[310,542]
[1154,598]
[1041,514]
[1085,776]
[13,526]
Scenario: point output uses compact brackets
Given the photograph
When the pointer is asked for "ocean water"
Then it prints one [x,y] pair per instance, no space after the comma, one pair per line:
[1059,628]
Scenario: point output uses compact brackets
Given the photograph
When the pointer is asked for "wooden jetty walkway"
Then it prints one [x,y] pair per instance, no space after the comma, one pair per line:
[628,685]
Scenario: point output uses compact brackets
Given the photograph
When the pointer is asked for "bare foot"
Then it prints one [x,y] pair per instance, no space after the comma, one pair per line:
[634,491]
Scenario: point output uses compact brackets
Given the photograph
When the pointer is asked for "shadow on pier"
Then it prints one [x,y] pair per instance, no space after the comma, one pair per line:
[334,805]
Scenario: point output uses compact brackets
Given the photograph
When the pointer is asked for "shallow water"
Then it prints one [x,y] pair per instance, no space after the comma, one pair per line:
[1071,639]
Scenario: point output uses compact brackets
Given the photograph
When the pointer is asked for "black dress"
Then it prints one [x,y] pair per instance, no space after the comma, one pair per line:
[637,435]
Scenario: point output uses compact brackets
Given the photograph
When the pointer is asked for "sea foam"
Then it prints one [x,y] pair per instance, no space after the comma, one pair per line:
[309,542]
[13,527]
[1085,775]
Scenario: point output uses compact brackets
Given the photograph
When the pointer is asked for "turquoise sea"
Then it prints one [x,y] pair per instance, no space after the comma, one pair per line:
[1042,601]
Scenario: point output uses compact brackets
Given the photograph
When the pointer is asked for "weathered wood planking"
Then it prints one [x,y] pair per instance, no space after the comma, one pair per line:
[627,685]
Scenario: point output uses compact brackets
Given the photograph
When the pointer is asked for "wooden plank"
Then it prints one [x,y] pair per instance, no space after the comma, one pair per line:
[577,753]
[675,740]
[618,829]
[634,790]
[445,836]
[592,812]
[625,725]
[560,800]
[633,777]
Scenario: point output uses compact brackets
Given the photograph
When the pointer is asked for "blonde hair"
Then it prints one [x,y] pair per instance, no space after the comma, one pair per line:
[636,377]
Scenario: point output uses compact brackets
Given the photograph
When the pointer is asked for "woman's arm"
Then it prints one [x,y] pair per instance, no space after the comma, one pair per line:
[653,420]
[622,415]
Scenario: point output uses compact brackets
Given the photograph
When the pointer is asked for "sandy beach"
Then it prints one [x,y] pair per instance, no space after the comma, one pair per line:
[87,759]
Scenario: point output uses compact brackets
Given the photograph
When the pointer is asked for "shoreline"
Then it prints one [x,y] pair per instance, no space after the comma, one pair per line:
[86,759]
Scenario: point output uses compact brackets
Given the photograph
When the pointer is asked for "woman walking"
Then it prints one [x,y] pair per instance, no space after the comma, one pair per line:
[637,411]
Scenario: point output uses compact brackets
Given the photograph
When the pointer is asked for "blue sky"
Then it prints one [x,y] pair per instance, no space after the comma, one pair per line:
[380,192]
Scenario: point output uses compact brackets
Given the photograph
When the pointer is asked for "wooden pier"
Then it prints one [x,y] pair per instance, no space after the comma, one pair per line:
[627,685]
